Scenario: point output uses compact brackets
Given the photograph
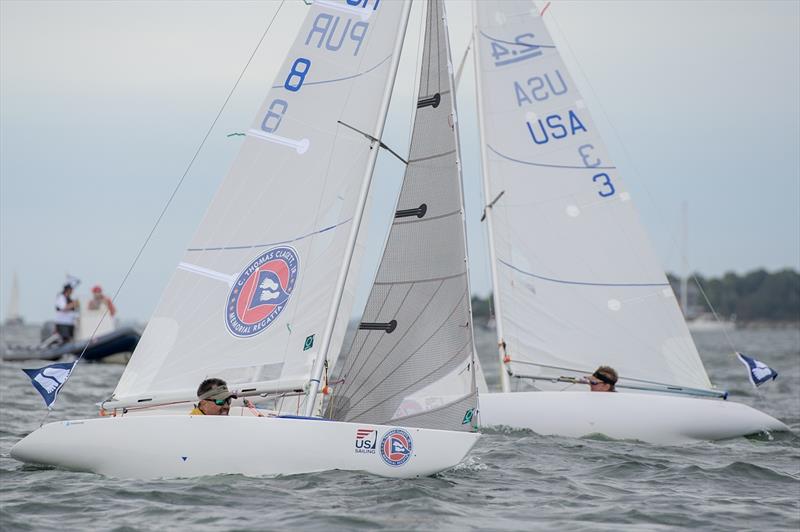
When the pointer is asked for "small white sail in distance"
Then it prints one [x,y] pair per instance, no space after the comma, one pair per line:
[12,311]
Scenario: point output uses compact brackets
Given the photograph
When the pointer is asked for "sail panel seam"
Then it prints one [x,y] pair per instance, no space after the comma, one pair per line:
[544,165]
[228,248]
[582,283]
[414,281]
[357,74]
[450,152]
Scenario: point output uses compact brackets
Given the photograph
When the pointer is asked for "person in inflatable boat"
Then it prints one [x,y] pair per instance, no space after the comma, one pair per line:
[214,398]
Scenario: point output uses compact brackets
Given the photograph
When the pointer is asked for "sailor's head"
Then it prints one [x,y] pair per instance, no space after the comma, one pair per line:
[214,397]
[603,379]
[97,291]
[67,289]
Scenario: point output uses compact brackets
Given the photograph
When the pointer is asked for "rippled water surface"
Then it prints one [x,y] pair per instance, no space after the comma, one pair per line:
[512,481]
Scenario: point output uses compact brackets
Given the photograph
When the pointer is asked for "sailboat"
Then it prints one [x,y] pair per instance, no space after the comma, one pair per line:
[262,296]
[576,282]
[13,317]
[696,321]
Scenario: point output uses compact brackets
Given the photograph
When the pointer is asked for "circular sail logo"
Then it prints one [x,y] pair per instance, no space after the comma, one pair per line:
[261,292]
[396,447]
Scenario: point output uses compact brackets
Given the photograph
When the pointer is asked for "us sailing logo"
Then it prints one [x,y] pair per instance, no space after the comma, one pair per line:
[366,441]
[261,292]
[396,447]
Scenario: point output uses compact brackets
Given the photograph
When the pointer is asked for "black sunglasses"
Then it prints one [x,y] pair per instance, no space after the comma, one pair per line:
[220,402]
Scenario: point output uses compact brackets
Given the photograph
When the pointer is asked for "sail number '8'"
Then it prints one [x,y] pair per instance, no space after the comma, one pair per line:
[328,32]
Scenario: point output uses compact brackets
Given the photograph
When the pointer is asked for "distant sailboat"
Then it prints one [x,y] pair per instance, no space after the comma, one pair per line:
[696,321]
[576,283]
[13,317]
[260,297]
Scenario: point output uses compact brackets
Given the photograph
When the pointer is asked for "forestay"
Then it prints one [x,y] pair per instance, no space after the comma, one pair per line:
[577,283]
[250,299]
[411,361]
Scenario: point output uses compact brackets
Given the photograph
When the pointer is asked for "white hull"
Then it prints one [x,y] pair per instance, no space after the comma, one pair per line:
[650,418]
[180,446]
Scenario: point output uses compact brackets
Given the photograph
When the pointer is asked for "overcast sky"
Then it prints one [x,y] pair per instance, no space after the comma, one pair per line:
[103,104]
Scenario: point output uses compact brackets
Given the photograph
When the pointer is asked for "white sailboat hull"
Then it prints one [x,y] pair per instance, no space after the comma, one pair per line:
[652,418]
[181,446]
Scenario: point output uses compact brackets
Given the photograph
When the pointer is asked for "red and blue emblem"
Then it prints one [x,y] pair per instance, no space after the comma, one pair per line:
[261,292]
[396,447]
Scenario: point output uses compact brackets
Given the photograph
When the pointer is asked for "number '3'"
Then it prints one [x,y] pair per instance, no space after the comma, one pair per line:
[604,181]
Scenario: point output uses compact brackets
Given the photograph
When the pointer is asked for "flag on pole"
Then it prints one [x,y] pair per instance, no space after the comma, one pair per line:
[758,371]
[49,379]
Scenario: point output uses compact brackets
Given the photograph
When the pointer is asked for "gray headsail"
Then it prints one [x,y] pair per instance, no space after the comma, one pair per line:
[412,358]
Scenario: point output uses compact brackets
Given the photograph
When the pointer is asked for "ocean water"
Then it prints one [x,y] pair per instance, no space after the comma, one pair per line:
[514,480]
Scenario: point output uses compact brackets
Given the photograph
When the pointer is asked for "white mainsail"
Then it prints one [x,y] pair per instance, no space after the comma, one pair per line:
[12,313]
[412,359]
[251,299]
[576,281]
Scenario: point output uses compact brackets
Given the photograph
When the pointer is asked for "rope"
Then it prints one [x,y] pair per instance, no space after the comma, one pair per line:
[585,372]
[169,201]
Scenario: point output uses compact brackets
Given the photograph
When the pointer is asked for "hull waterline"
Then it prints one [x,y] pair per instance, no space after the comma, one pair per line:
[650,418]
[182,446]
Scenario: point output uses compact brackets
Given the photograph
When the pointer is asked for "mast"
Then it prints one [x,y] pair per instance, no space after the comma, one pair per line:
[454,110]
[501,345]
[13,316]
[319,362]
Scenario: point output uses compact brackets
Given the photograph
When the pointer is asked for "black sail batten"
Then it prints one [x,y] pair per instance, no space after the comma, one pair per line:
[419,212]
[388,327]
[430,101]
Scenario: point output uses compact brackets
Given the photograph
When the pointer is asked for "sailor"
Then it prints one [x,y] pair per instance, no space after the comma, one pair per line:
[66,314]
[100,301]
[602,380]
[214,398]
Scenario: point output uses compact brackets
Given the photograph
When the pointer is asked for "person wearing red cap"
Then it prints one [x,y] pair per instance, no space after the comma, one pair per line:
[99,299]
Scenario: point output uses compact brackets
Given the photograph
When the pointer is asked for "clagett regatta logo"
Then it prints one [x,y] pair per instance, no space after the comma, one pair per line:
[396,447]
[261,292]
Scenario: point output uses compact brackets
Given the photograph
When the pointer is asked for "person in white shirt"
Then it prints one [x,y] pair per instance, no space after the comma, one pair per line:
[66,314]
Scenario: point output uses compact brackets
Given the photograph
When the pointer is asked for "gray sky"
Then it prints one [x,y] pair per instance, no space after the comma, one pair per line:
[103,104]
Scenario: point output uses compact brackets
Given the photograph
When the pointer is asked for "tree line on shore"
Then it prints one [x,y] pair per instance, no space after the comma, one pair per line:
[755,296]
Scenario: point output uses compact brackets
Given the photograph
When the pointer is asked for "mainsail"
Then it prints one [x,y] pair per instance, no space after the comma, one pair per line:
[411,361]
[251,298]
[12,313]
[576,281]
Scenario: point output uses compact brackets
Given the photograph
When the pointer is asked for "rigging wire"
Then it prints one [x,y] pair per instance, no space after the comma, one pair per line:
[171,197]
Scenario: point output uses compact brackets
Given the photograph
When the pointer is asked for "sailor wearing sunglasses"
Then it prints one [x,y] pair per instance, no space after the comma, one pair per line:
[603,379]
[214,399]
